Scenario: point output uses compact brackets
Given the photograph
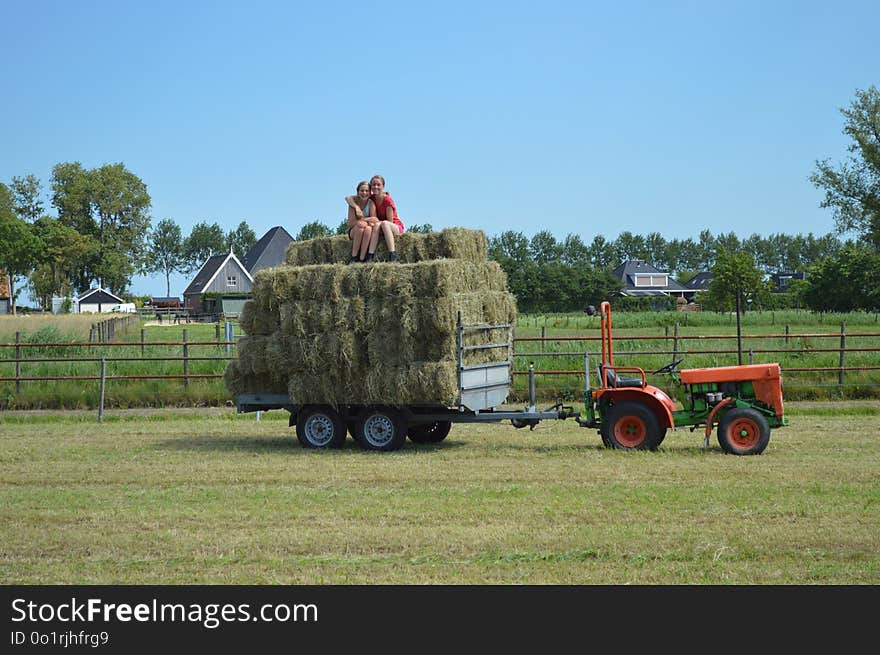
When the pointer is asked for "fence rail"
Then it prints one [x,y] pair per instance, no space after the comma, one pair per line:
[678,342]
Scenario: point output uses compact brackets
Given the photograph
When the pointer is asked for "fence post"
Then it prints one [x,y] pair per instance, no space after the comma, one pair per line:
[229,336]
[101,394]
[17,362]
[217,331]
[787,333]
[543,335]
[143,339]
[675,343]
[751,356]
[185,360]
[842,355]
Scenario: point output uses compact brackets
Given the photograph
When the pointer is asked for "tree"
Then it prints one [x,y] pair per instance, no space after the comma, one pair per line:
[735,278]
[628,246]
[19,246]
[602,253]
[847,282]
[313,230]
[574,252]
[423,229]
[342,228]
[852,190]
[27,197]
[203,241]
[165,251]
[241,239]
[111,204]
[64,252]
[544,248]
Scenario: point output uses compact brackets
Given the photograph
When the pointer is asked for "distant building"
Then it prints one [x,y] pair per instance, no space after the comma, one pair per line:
[220,287]
[269,251]
[98,301]
[5,296]
[642,280]
[782,281]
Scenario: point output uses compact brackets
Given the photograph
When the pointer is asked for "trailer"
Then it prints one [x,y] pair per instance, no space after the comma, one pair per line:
[745,402]
[482,389]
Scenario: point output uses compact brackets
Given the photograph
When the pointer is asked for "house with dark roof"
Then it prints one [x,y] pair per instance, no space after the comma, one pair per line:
[642,280]
[269,251]
[97,301]
[782,280]
[700,281]
[5,296]
[220,287]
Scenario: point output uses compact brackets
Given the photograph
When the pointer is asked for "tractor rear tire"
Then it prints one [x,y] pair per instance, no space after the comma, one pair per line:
[429,432]
[632,426]
[743,431]
[319,426]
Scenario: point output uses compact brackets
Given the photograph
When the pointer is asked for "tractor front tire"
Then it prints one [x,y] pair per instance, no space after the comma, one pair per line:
[632,425]
[743,431]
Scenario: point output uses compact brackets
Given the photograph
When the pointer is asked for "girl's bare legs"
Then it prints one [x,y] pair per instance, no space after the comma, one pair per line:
[366,237]
[389,231]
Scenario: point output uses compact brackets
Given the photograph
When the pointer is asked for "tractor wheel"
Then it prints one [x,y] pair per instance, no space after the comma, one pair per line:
[380,428]
[319,426]
[632,426]
[429,432]
[743,431]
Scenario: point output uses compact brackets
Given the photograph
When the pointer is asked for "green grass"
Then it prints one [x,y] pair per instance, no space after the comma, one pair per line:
[212,497]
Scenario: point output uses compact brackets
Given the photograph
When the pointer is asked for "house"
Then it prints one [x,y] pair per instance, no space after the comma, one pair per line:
[269,251]
[98,301]
[5,296]
[642,280]
[782,281]
[220,287]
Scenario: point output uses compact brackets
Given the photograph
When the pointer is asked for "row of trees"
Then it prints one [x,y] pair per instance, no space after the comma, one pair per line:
[102,232]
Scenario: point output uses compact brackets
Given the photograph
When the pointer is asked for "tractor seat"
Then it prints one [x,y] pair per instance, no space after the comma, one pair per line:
[616,382]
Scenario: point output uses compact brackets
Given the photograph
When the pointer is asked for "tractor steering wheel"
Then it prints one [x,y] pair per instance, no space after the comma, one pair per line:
[669,368]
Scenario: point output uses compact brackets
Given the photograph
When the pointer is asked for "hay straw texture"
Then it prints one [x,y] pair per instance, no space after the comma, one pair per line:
[379,333]
[451,243]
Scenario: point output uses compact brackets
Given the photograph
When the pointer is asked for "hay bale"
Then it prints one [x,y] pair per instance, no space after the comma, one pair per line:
[450,243]
[327,332]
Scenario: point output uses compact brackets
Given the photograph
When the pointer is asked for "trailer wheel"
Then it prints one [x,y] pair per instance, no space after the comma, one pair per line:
[632,426]
[743,431]
[429,432]
[319,426]
[380,428]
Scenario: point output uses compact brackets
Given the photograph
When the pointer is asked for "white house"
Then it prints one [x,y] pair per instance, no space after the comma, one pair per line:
[100,301]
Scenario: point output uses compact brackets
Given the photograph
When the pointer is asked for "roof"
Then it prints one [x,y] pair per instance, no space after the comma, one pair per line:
[700,281]
[276,234]
[99,296]
[209,271]
[628,270]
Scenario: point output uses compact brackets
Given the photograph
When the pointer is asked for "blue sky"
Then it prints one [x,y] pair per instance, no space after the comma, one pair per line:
[578,117]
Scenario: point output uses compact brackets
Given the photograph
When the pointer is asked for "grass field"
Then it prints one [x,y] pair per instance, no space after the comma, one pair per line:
[156,497]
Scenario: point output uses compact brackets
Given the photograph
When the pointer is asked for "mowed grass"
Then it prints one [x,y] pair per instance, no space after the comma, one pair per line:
[218,498]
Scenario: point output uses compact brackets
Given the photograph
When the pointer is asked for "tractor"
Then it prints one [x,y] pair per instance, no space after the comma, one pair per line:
[744,401]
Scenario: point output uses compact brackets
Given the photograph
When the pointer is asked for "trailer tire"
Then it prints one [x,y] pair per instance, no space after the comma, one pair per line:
[632,426]
[743,431]
[380,428]
[319,426]
[429,432]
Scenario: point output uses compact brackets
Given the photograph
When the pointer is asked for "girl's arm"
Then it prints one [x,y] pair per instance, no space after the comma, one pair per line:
[351,203]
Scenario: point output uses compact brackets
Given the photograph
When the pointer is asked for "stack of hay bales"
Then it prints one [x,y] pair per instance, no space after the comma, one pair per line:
[325,332]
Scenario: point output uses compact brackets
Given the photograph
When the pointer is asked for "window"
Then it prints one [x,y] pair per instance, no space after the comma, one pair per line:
[232,280]
[649,280]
